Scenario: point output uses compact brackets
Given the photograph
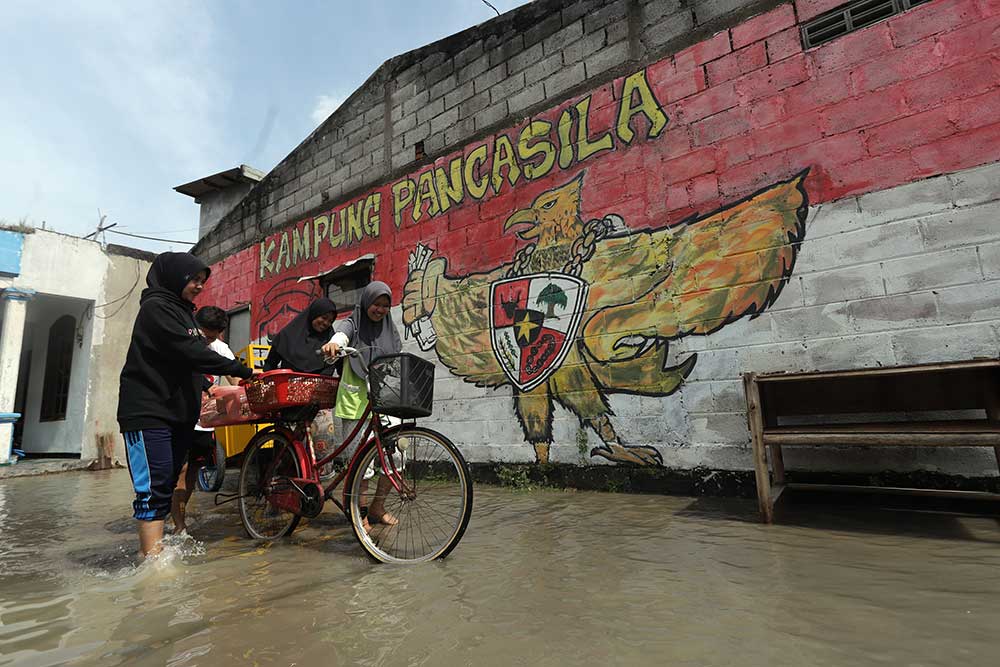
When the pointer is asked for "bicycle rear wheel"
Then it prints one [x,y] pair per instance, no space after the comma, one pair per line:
[269,458]
[434,508]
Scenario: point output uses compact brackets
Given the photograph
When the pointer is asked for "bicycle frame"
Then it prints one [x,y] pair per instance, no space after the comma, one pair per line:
[301,443]
[282,480]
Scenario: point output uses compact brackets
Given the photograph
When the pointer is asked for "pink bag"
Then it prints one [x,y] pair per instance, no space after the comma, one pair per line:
[229,406]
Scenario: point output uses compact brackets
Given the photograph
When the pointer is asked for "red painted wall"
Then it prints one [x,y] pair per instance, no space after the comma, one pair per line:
[905,99]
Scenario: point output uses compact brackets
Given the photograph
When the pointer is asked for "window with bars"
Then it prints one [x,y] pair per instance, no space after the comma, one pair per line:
[58,364]
[850,17]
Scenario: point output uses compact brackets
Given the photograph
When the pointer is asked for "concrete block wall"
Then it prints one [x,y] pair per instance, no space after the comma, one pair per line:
[897,262]
[214,205]
[900,276]
[461,88]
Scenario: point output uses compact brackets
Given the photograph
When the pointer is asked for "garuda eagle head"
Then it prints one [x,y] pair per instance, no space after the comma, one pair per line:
[552,219]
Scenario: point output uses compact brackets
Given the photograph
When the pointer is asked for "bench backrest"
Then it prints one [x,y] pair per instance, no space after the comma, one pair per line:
[967,386]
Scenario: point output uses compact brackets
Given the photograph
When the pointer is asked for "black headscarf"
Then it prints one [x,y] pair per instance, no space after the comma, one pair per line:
[298,341]
[373,339]
[169,275]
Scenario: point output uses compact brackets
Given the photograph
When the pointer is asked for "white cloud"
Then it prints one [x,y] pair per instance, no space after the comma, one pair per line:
[109,104]
[133,104]
[326,105]
[154,64]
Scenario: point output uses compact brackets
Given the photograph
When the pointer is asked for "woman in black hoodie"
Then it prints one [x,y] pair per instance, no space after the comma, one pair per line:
[159,395]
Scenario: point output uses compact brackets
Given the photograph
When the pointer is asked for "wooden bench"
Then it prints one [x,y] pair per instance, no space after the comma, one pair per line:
[932,405]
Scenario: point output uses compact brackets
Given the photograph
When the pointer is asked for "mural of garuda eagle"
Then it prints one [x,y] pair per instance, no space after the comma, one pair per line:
[588,309]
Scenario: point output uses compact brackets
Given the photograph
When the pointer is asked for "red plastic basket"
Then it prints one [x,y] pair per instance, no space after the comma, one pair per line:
[276,390]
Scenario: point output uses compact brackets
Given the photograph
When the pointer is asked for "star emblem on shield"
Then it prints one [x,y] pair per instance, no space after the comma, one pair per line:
[533,321]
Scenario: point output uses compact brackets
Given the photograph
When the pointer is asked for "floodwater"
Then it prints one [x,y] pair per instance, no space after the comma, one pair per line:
[541,578]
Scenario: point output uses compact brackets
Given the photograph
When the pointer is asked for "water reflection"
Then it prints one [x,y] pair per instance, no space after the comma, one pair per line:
[541,578]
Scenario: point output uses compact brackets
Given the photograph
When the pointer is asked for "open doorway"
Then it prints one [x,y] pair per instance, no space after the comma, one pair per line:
[53,378]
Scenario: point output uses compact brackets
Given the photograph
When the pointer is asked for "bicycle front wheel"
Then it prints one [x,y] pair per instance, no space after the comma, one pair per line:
[269,460]
[432,508]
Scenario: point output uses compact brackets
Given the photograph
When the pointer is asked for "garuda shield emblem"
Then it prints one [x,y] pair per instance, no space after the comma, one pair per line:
[533,321]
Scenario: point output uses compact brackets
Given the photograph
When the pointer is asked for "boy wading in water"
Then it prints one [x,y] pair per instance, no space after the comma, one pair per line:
[159,393]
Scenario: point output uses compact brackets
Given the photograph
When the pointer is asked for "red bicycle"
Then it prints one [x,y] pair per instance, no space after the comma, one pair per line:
[423,480]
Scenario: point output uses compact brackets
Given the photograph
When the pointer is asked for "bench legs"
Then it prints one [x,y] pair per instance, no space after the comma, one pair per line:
[993,409]
[764,502]
[756,423]
[778,464]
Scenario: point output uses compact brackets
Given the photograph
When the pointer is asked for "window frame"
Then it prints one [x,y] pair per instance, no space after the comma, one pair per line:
[238,310]
[363,266]
[840,21]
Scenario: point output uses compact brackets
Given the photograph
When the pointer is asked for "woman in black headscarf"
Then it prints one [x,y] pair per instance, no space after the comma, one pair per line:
[295,346]
[158,397]
[371,331]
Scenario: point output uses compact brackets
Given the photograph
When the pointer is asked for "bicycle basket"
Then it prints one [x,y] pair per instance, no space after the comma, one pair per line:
[401,385]
[274,391]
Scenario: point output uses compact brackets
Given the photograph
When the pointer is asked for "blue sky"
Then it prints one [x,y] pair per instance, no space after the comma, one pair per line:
[108,105]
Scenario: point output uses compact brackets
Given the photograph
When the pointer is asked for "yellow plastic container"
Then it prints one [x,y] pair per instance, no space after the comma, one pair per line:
[236,438]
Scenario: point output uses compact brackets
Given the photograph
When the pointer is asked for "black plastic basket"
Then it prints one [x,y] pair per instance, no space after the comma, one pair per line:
[401,385]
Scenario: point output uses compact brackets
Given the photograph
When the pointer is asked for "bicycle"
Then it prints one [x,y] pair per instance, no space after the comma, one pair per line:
[211,469]
[430,490]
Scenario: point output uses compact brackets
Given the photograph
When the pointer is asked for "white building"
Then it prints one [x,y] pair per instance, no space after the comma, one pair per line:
[68,305]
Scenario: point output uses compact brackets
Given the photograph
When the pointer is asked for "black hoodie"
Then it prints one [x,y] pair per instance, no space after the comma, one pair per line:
[159,388]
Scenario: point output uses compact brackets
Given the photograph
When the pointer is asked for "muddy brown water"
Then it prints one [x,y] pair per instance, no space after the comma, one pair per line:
[541,578]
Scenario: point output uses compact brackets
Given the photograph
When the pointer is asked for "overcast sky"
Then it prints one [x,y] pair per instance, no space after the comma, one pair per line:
[108,105]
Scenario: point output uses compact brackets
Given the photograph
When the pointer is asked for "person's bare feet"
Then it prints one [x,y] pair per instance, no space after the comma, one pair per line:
[379,515]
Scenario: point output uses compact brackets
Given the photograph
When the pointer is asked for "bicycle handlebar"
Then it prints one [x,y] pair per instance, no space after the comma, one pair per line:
[342,352]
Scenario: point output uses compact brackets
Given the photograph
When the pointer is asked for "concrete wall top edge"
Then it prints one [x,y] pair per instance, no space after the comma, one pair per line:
[368,140]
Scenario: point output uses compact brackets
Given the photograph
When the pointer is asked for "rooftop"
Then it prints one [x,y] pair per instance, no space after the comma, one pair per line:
[224,179]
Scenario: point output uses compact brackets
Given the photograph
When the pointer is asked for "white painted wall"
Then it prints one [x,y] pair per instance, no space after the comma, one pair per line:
[68,273]
[56,265]
[112,334]
[907,275]
[62,265]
